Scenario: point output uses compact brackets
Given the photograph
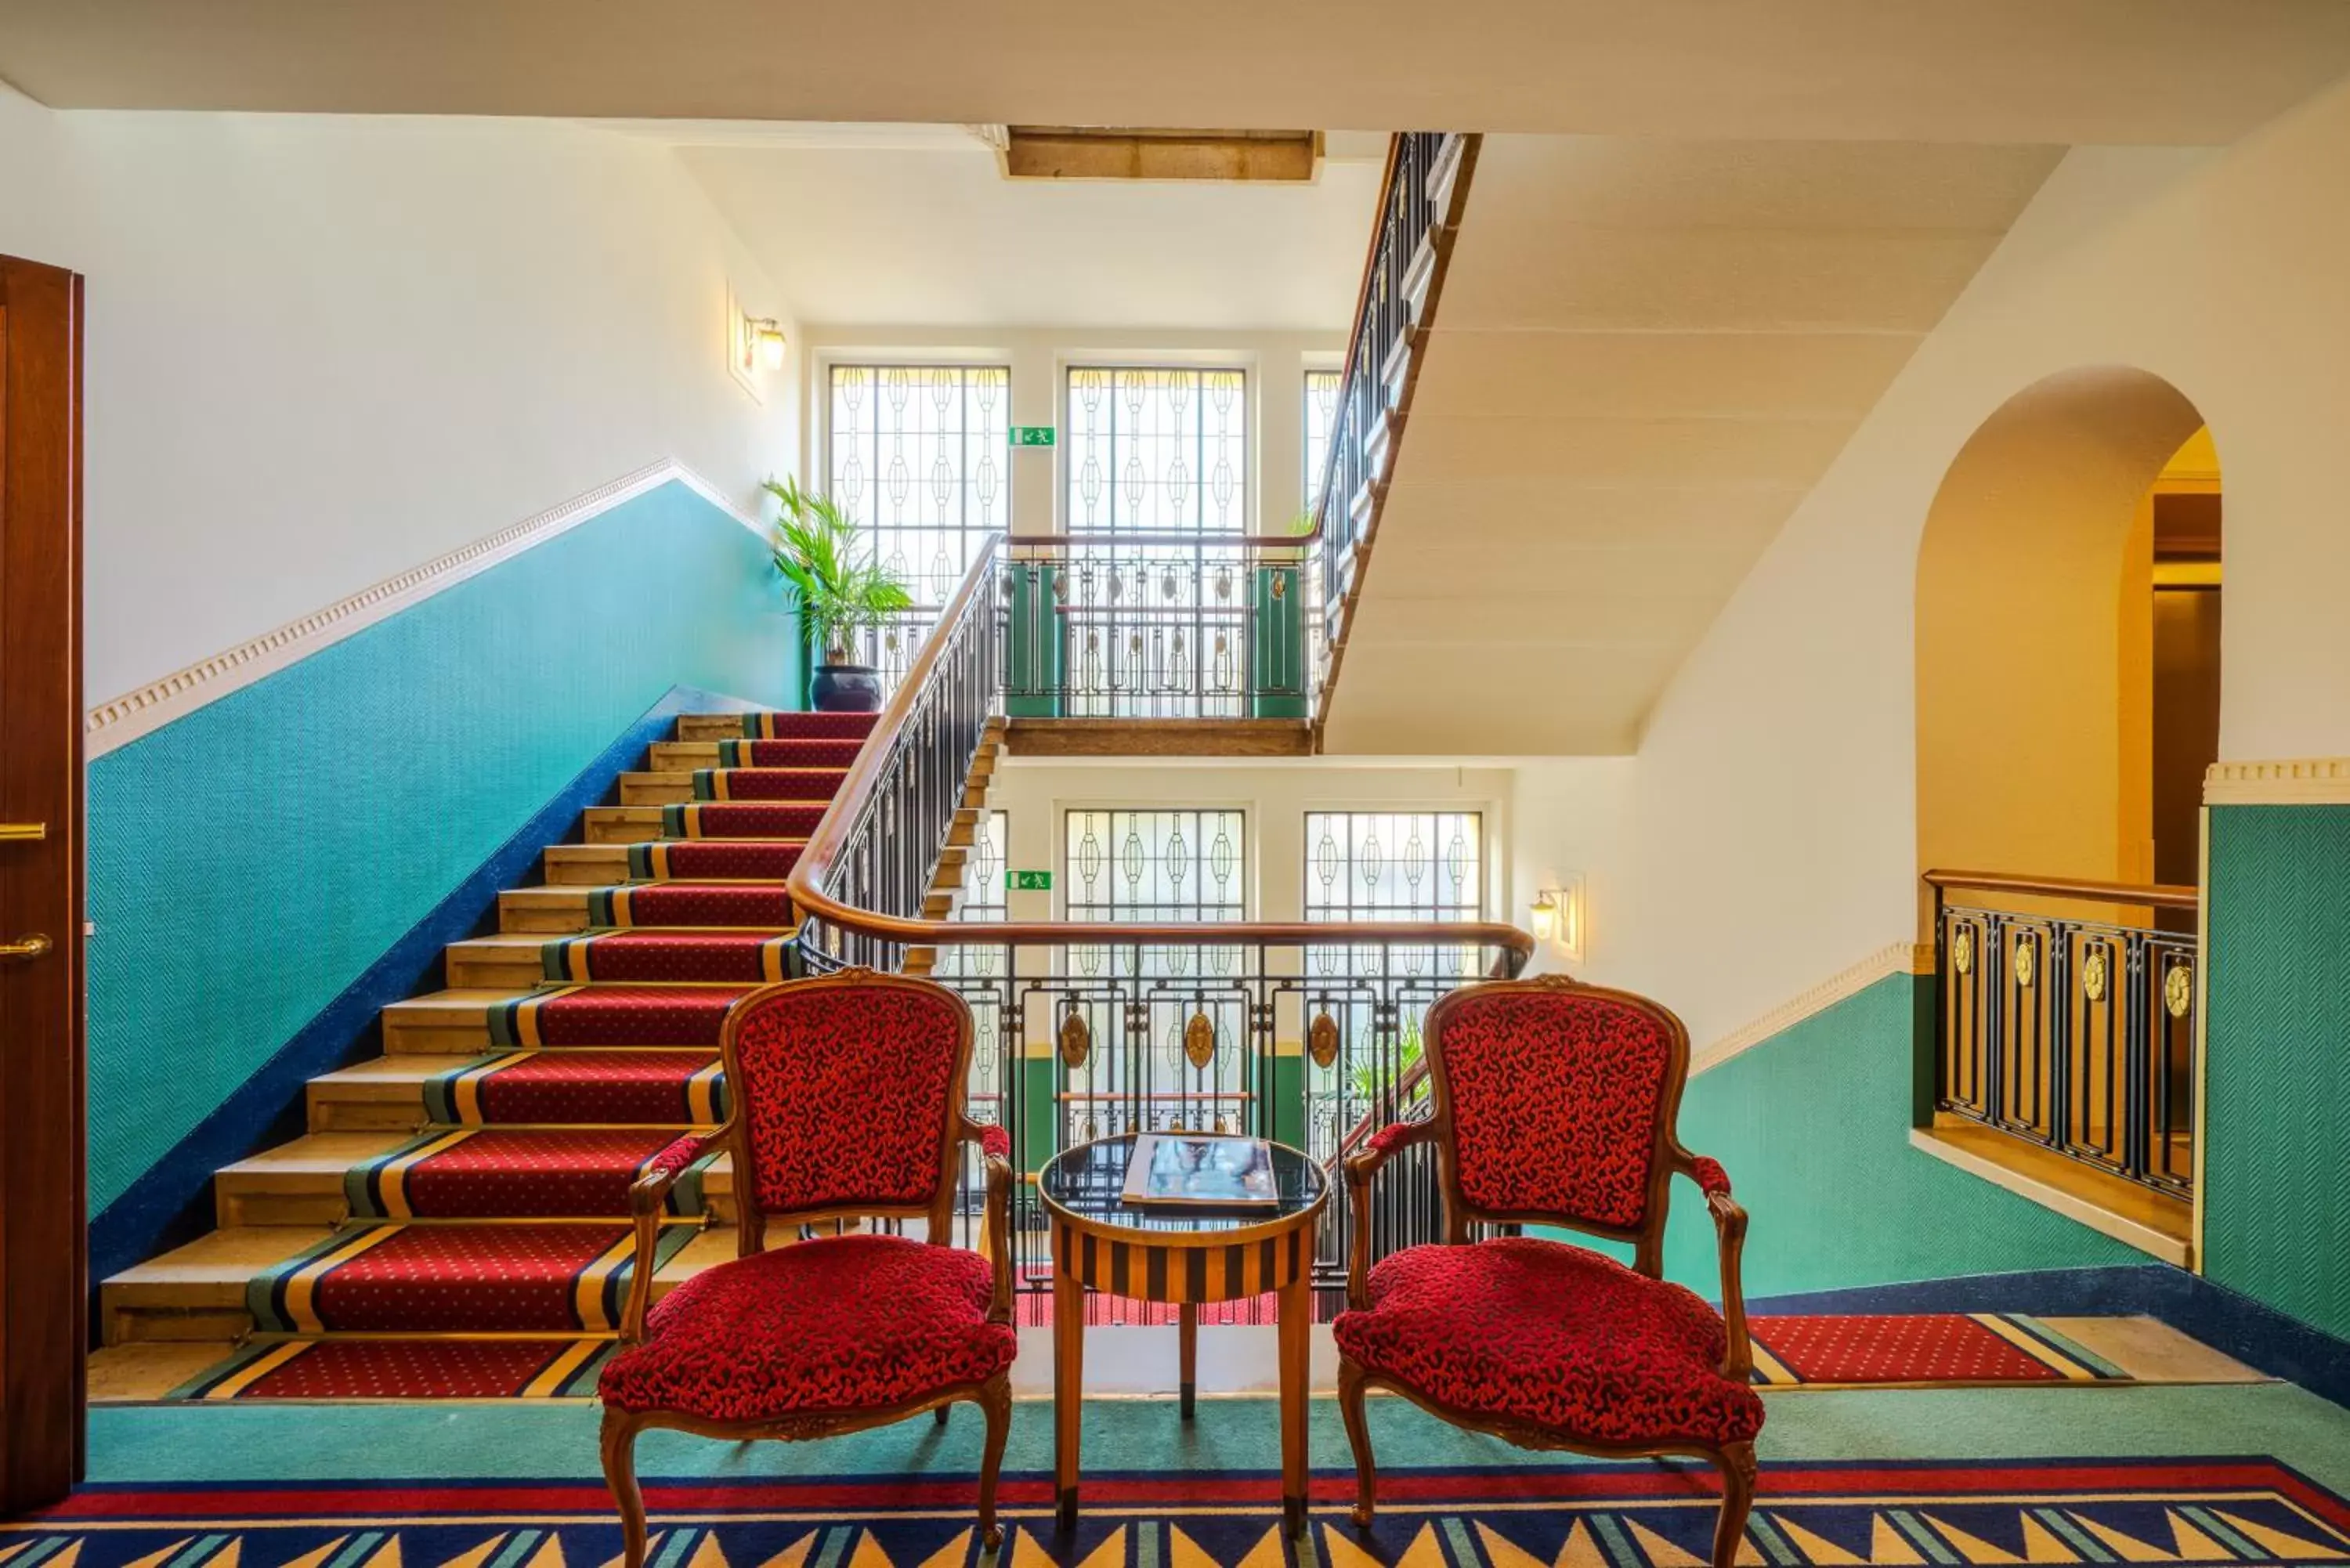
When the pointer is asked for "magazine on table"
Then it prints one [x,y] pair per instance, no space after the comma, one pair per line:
[1202,1171]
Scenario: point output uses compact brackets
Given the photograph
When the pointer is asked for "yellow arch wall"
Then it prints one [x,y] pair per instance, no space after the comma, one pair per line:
[2033,632]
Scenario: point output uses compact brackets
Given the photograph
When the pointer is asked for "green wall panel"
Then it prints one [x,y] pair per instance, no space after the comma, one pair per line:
[250,860]
[2276,1217]
[1812,1126]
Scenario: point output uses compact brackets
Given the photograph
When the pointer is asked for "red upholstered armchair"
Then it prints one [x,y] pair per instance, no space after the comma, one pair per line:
[1554,1104]
[844,1102]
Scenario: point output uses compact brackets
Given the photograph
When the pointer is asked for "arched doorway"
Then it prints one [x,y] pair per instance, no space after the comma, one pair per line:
[2067,635]
[2067,671]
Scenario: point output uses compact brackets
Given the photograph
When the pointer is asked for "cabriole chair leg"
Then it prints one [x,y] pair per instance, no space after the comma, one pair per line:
[1359,1437]
[996,1401]
[620,1475]
[1737,1464]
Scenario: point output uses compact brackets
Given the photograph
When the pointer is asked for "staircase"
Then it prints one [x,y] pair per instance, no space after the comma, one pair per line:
[473,1181]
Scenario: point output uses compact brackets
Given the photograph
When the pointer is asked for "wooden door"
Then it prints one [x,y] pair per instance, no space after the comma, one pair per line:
[43,1237]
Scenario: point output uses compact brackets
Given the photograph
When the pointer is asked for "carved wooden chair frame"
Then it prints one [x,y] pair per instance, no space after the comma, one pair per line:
[1735,1460]
[647,1199]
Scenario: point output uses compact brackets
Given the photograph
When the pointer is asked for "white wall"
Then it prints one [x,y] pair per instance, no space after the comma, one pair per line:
[1570,819]
[322,350]
[1775,822]
[1037,357]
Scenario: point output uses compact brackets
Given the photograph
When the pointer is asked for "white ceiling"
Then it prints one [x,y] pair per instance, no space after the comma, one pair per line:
[915,225]
[1645,354]
[2166,71]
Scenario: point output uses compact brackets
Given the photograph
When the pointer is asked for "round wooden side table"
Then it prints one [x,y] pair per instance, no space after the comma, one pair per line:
[1185,1256]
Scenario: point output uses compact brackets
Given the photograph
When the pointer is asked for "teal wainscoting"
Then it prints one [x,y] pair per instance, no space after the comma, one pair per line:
[250,860]
[2276,1160]
[1812,1126]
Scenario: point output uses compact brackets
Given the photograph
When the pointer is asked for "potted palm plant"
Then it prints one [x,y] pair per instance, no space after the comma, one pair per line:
[839,595]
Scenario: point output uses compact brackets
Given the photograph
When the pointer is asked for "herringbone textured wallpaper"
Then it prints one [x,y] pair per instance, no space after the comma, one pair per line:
[251,860]
[2277,1152]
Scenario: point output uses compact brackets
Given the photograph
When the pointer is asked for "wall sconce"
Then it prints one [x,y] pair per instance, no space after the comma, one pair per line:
[1557,916]
[767,334]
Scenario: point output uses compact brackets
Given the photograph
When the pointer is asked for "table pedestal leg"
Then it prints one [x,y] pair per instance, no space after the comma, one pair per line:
[1295,1307]
[1069,1392]
[1187,1330]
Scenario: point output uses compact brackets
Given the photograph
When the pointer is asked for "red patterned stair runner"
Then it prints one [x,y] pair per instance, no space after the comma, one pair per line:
[768,784]
[675,1087]
[750,906]
[679,958]
[506,1215]
[553,1173]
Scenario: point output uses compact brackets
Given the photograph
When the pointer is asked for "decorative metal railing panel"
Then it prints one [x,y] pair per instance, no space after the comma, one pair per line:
[1156,626]
[1308,1045]
[897,811]
[2076,1034]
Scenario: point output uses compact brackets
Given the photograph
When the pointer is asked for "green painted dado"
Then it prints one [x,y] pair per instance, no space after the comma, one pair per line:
[2276,1158]
[249,861]
[1812,1126]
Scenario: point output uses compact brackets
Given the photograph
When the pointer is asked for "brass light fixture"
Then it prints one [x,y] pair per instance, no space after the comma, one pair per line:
[1556,917]
[766,334]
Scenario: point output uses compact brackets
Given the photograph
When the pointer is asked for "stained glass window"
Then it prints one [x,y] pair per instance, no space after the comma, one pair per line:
[1157,451]
[917,457]
[1321,419]
[1170,865]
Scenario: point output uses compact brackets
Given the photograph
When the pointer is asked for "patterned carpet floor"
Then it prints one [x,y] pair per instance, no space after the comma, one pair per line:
[1913,1350]
[2241,1511]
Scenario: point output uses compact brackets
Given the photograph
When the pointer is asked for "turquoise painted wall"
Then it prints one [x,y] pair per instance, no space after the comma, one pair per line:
[2276,1160]
[249,861]
[1812,1126]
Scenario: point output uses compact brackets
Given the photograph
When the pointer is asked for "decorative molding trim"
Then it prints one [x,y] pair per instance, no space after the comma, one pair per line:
[1894,958]
[2295,781]
[136,713]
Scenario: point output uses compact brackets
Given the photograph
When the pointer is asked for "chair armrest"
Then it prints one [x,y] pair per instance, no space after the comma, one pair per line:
[648,1196]
[1730,1231]
[995,1149]
[1384,1145]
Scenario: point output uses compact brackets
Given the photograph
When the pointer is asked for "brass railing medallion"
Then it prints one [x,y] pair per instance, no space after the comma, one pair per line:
[2179,990]
[2026,963]
[2092,974]
[1076,1040]
[1200,1040]
[1962,951]
[1322,1040]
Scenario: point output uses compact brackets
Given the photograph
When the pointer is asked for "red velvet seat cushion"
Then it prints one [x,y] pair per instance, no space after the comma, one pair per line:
[847,1323]
[1553,1336]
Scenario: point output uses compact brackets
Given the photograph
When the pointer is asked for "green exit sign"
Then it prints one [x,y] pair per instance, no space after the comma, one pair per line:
[1029,881]
[1032,435]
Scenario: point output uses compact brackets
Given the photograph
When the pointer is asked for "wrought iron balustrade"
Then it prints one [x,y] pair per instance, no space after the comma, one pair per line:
[1419,204]
[1161,626]
[2075,1032]
[1305,1031]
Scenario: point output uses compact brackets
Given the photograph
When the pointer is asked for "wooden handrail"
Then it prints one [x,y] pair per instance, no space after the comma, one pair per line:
[826,844]
[2157,895]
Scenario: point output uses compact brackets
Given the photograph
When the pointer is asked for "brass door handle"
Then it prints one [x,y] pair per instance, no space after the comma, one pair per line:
[23,832]
[29,947]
